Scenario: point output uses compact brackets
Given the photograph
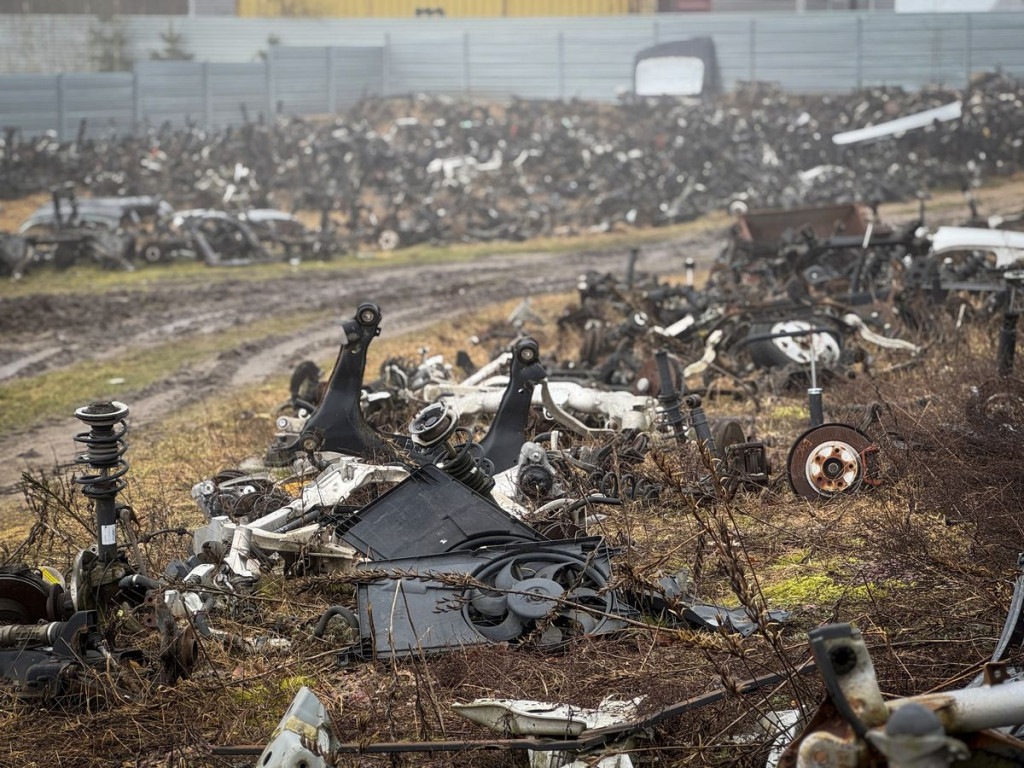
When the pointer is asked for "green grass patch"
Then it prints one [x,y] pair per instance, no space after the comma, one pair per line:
[25,402]
[795,411]
[810,589]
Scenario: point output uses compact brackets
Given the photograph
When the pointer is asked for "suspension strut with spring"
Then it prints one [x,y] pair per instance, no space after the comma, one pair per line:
[669,398]
[104,452]
[433,428]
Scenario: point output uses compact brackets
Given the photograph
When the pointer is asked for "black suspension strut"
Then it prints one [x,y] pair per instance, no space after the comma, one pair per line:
[669,398]
[433,429]
[699,422]
[104,452]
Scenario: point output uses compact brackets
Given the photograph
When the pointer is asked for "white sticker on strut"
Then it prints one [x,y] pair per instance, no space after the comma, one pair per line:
[108,534]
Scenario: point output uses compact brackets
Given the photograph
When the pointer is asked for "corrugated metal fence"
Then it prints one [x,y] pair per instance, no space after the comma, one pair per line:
[300,80]
[321,66]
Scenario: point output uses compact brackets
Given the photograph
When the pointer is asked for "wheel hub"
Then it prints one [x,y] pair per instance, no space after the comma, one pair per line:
[534,598]
[828,460]
[833,467]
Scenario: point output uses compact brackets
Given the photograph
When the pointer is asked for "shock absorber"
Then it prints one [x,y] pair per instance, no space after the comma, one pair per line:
[669,397]
[433,429]
[104,452]
[699,422]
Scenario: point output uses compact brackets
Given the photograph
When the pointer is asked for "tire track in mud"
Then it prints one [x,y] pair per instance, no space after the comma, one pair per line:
[410,297]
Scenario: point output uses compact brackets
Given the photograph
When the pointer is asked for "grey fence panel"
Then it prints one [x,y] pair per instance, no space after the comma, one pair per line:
[915,51]
[237,91]
[171,92]
[996,42]
[244,67]
[358,72]
[815,55]
[514,66]
[301,80]
[599,65]
[103,100]
[432,64]
[29,103]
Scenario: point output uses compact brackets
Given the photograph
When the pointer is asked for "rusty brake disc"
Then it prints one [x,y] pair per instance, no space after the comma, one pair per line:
[828,460]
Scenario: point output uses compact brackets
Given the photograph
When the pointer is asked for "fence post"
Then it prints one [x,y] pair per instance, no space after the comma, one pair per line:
[271,95]
[860,52]
[61,109]
[332,88]
[465,64]
[968,48]
[561,66]
[207,96]
[753,51]
[136,102]
[385,74]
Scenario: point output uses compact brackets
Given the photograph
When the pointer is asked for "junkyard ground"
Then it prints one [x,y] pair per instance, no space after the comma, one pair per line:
[923,569]
[164,337]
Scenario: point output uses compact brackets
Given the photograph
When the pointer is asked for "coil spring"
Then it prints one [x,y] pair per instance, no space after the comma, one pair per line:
[461,463]
[104,448]
[434,430]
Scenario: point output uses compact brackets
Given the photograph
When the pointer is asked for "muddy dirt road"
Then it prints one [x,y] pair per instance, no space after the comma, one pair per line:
[47,332]
[44,331]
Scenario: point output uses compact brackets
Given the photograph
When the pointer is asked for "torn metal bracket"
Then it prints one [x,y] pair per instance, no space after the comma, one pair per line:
[537,718]
[303,738]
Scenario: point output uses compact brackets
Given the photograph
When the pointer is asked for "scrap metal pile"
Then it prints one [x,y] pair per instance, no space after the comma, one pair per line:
[118,232]
[423,169]
[463,506]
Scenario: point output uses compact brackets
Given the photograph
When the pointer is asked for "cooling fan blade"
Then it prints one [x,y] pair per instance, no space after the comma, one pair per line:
[489,603]
[581,620]
[509,629]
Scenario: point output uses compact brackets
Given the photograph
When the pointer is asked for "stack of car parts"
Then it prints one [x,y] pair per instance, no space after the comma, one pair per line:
[407,171]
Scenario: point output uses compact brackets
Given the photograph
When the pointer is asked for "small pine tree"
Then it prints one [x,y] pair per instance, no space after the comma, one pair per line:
[173,47]
[108,44]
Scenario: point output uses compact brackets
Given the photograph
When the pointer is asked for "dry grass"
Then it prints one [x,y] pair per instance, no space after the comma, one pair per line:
[922,565]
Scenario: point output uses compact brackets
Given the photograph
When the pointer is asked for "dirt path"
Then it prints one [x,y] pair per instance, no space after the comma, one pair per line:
[46,332]
[42,333]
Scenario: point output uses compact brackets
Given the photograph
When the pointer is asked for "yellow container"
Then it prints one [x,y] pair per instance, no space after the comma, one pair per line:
[451,8]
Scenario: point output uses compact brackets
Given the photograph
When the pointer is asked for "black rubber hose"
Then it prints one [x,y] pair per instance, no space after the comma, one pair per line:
[330,613]
[138,580]
[202,625]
